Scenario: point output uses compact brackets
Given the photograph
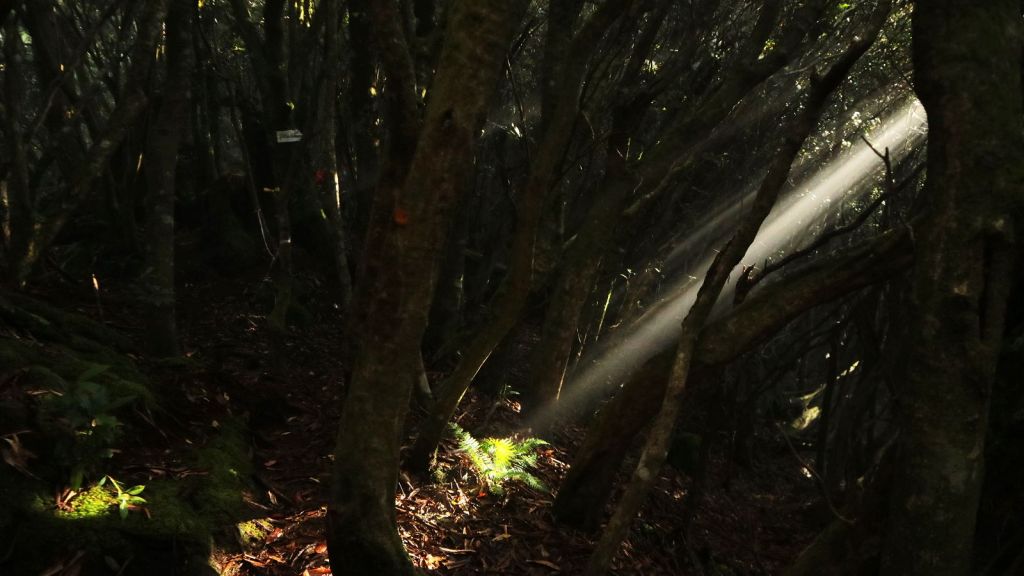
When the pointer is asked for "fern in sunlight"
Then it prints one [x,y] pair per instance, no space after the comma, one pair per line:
[498,461]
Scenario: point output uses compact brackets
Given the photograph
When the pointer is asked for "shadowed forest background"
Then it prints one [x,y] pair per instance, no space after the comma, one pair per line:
[525,287]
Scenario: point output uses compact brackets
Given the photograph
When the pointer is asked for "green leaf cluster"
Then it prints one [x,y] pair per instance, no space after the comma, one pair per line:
[498,461]
[127,498]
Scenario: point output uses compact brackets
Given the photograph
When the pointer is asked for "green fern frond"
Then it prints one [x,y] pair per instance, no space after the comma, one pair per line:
[498,461]
[531,444]
[503,451]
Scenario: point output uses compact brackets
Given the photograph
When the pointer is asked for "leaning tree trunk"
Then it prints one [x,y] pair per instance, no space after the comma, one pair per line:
[661,163]
[582,496]
[161,163]
[656,446]
[549,359]
[399,282]
[967,74]
[515,289]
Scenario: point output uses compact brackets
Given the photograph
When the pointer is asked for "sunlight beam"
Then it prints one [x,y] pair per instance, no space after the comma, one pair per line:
[791,224]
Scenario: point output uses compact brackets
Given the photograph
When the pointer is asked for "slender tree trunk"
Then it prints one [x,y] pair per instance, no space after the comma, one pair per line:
[549,361]
[268,58]
[825,416]
[399,283]
[131,102]
[967,75]
[362,118]
[161,163]
[449,298]
[582,496]
[328,180]
[41,21]
[515,289]
[20,214]
[562,18]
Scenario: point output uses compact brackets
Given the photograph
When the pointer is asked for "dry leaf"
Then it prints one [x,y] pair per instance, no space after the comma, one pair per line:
[547,564]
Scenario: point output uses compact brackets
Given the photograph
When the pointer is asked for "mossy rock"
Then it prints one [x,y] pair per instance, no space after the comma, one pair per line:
[73,367]
[252,534]
[182,522]
[50,324]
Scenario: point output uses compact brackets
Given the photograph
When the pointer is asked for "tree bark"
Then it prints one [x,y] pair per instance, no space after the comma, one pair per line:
[362,116]
[967,75]
[562,17]
[161,163]
[20,216]
[822,460]
[324,149]
[399,281]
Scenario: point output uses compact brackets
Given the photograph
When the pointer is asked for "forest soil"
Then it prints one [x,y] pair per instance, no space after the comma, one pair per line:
[752,522]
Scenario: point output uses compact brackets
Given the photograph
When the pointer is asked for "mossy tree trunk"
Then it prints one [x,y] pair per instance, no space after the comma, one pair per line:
[407,237]
[161,163]
[967,74]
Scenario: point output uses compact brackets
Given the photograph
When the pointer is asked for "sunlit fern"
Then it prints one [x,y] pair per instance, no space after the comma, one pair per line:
[498,461]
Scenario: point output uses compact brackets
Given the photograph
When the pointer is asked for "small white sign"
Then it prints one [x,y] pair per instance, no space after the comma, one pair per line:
[285,136]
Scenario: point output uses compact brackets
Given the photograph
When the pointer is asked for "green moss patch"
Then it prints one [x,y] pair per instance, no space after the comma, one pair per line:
[190,513]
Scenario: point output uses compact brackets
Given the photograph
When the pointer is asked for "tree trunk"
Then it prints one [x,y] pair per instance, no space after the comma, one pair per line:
[821,454]
[967,75]
[161,163]
[399,282]
[20,216]
[562,17]
[131,102]
[551,356]
[656,447]
[362,116]
[760,316]
[324,149]
[515,290]
[661,163]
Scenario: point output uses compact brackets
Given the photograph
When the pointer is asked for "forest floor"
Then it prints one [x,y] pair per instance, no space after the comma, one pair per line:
[751,522]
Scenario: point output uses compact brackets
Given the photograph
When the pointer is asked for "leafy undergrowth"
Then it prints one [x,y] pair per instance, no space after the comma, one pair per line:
[453,524]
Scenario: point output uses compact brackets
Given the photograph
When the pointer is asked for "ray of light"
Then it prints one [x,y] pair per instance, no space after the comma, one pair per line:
[793,220]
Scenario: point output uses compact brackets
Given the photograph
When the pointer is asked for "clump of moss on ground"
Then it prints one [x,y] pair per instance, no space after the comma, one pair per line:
[192,512]
[76,385]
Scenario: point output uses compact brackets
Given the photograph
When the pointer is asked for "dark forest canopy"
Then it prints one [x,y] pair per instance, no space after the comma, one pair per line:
[387,287]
